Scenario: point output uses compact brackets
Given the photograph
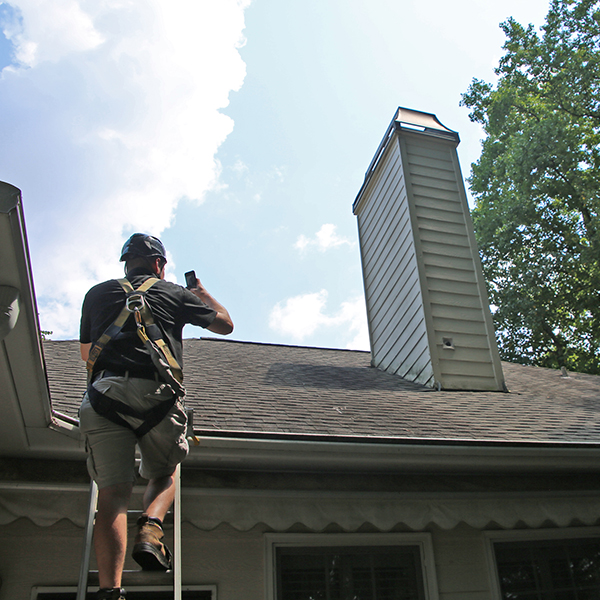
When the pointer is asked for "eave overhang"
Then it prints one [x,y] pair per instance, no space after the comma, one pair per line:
[24,395]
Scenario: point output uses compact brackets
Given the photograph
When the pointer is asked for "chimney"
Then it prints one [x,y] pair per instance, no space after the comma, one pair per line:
[427,306]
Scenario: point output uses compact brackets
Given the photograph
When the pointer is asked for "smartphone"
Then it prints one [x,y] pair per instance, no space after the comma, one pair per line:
[190,280]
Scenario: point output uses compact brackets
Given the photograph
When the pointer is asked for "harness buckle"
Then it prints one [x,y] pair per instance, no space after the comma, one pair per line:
[135,303]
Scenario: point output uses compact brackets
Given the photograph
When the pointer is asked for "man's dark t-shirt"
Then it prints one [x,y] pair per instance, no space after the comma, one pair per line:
[172,307]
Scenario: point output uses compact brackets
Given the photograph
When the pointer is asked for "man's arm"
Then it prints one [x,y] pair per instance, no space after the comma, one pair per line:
[222,323]
[85,350]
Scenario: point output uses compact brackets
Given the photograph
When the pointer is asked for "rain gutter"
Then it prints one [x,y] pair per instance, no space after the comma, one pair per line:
[288,452]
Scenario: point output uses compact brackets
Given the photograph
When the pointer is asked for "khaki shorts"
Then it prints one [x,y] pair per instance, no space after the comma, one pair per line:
[111,447]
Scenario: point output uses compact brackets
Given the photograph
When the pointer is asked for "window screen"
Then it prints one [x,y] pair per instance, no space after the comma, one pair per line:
[549,569]
[349,573]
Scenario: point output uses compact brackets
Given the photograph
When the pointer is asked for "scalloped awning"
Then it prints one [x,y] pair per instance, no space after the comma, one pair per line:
[206,509]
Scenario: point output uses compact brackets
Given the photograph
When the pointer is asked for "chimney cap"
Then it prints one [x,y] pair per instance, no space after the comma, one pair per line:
[411,121]
[416,120]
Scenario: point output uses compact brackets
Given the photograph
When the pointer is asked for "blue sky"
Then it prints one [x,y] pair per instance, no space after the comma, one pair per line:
[239,132]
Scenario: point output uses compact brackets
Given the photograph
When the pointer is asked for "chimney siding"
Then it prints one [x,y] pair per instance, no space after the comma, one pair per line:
[429,318]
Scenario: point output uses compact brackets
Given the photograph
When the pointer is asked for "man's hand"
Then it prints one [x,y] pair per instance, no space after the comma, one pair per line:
[222,323]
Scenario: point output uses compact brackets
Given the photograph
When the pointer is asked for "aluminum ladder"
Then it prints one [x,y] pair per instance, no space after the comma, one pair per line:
[148,577]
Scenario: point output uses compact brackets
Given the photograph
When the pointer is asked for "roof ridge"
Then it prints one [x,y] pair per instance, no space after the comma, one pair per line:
[252,343]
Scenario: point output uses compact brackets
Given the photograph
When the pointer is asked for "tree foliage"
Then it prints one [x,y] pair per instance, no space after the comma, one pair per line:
[537,188]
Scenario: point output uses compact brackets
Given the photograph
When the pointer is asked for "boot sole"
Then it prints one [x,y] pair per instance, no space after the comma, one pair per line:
[150,558]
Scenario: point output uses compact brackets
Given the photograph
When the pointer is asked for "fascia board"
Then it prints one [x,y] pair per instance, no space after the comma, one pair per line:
[23,363]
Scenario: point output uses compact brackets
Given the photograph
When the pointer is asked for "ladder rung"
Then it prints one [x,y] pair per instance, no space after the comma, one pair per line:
[131,578]
[133,515]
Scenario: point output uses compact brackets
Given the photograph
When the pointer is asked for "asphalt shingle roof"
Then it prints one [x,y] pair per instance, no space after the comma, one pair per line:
[248,388]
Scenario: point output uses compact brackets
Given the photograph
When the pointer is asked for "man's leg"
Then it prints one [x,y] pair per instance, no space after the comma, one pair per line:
[162,448]
[159,496]
[149,550]
[110,533]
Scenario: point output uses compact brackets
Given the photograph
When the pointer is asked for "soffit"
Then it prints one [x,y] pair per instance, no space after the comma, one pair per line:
[25,397]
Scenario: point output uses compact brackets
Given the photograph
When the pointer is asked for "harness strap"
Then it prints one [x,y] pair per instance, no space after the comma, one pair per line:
[110,409]
[115,327]
[149,330]
[153,332]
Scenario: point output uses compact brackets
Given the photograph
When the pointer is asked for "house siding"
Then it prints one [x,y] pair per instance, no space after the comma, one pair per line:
[448,262]
[31,555]
[461,564]
[231,560]
[225,527]
[390,270]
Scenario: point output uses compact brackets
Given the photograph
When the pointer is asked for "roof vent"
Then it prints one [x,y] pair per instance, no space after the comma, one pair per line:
[427,306]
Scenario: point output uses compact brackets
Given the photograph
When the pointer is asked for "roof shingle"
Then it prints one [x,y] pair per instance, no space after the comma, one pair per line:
[242,387]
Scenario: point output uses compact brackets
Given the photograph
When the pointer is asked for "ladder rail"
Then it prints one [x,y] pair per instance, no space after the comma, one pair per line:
[177,536]
[84,568]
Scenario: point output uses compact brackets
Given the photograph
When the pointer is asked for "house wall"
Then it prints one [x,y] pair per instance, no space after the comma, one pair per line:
[463,572]
[233,560]
[50,556]
[31,555]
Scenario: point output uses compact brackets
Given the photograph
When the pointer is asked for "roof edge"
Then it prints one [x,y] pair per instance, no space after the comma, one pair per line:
[10,197]
[386,440]
[277,344]
[354,455]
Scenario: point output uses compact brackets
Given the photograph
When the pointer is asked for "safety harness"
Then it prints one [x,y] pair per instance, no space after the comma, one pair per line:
[162,358]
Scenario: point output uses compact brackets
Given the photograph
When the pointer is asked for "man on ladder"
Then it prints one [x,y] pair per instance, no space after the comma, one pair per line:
[131,340]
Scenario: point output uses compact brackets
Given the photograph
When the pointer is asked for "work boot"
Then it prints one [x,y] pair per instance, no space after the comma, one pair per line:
[111,594]
[148,550]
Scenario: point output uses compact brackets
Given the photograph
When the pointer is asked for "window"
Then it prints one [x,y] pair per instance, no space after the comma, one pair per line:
[549,570]
[197,592]
[351,567]
[554,565]
[335,573]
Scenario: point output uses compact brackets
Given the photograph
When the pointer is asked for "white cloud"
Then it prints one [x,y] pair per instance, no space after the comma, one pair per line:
[110,118]
[353,315]
[301,316]
[71,30]
[324,239]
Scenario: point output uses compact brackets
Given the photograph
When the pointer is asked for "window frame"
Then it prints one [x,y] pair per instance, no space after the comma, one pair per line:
[298,540]
[72,589]
[527,535]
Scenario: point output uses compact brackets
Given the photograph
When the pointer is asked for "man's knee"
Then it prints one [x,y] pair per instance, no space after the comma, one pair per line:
[115,498]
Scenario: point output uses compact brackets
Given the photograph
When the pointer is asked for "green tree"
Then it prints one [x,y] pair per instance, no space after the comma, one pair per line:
[537,188]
